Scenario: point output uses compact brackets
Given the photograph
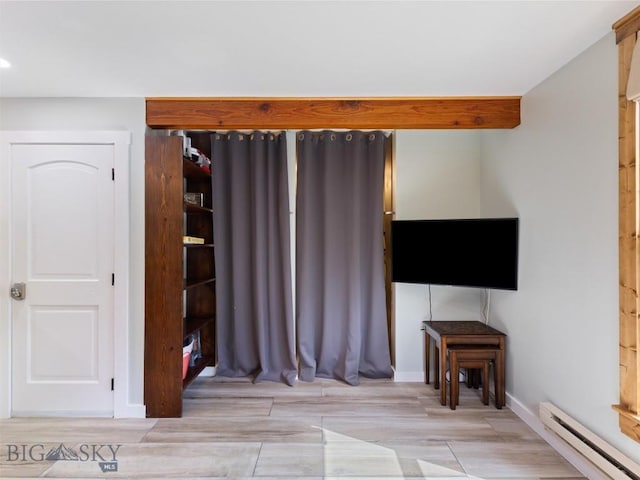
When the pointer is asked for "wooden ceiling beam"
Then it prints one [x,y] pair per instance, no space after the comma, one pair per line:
[280,113]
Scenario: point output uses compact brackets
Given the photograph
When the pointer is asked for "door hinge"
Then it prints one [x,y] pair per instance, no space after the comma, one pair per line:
[113,174]
[112,385]
[113,279]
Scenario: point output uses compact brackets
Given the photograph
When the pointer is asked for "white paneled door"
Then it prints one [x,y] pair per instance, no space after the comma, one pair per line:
[62,250]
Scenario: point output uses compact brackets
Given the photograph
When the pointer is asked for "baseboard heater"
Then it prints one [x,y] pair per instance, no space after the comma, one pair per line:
[593,448]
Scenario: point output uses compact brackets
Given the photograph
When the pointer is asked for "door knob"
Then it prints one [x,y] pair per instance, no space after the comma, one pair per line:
[18,291]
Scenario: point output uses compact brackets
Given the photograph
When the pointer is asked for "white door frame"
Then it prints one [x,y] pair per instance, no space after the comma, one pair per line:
[121,141]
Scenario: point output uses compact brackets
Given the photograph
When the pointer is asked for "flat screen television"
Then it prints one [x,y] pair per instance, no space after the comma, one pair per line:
[462,252]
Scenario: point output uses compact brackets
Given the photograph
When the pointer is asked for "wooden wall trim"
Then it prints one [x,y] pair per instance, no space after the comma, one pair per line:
[280,113]
[628,240]
[627,25]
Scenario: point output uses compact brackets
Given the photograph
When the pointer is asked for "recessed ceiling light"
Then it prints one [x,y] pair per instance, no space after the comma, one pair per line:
[4,63]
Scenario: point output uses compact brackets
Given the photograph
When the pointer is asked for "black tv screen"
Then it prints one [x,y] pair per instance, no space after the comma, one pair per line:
[462,252]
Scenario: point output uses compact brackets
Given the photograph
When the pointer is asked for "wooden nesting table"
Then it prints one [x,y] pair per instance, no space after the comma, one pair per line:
[462,332]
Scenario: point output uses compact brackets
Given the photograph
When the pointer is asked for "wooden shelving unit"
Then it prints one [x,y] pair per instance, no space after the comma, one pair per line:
[180,278]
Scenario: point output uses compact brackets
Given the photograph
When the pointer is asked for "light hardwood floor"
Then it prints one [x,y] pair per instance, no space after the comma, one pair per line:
[234,429]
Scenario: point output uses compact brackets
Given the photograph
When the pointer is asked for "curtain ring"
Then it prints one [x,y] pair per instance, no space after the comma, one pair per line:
[333,137]
[241,137]
[272,137]
[217,136]
[349,137]
[262,137]
[372,137]
[251,137]
[301,136]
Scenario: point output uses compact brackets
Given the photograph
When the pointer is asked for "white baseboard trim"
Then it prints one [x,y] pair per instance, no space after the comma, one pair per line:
[208,372]
[60,414]
[408,376]
[132,410]
[585,467]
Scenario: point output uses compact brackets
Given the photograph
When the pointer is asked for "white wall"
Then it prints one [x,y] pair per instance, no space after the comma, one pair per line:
[101,114]
[558,173]
[437,176]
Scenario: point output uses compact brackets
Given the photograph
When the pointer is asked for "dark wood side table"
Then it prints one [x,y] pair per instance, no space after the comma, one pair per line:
[462,332]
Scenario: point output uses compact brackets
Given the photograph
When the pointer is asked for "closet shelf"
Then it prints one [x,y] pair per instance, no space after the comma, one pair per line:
[191,170]
[192,209]
[192,283]
[192,324]
[194,371]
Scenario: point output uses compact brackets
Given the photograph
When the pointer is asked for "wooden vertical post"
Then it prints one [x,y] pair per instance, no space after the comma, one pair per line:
[629,246]
[388,206]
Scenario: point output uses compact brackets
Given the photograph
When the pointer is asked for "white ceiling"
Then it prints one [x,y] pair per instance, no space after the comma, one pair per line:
[293,48]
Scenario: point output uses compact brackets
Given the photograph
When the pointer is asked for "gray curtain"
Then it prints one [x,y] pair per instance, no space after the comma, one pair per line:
[340,293]
[254,319]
